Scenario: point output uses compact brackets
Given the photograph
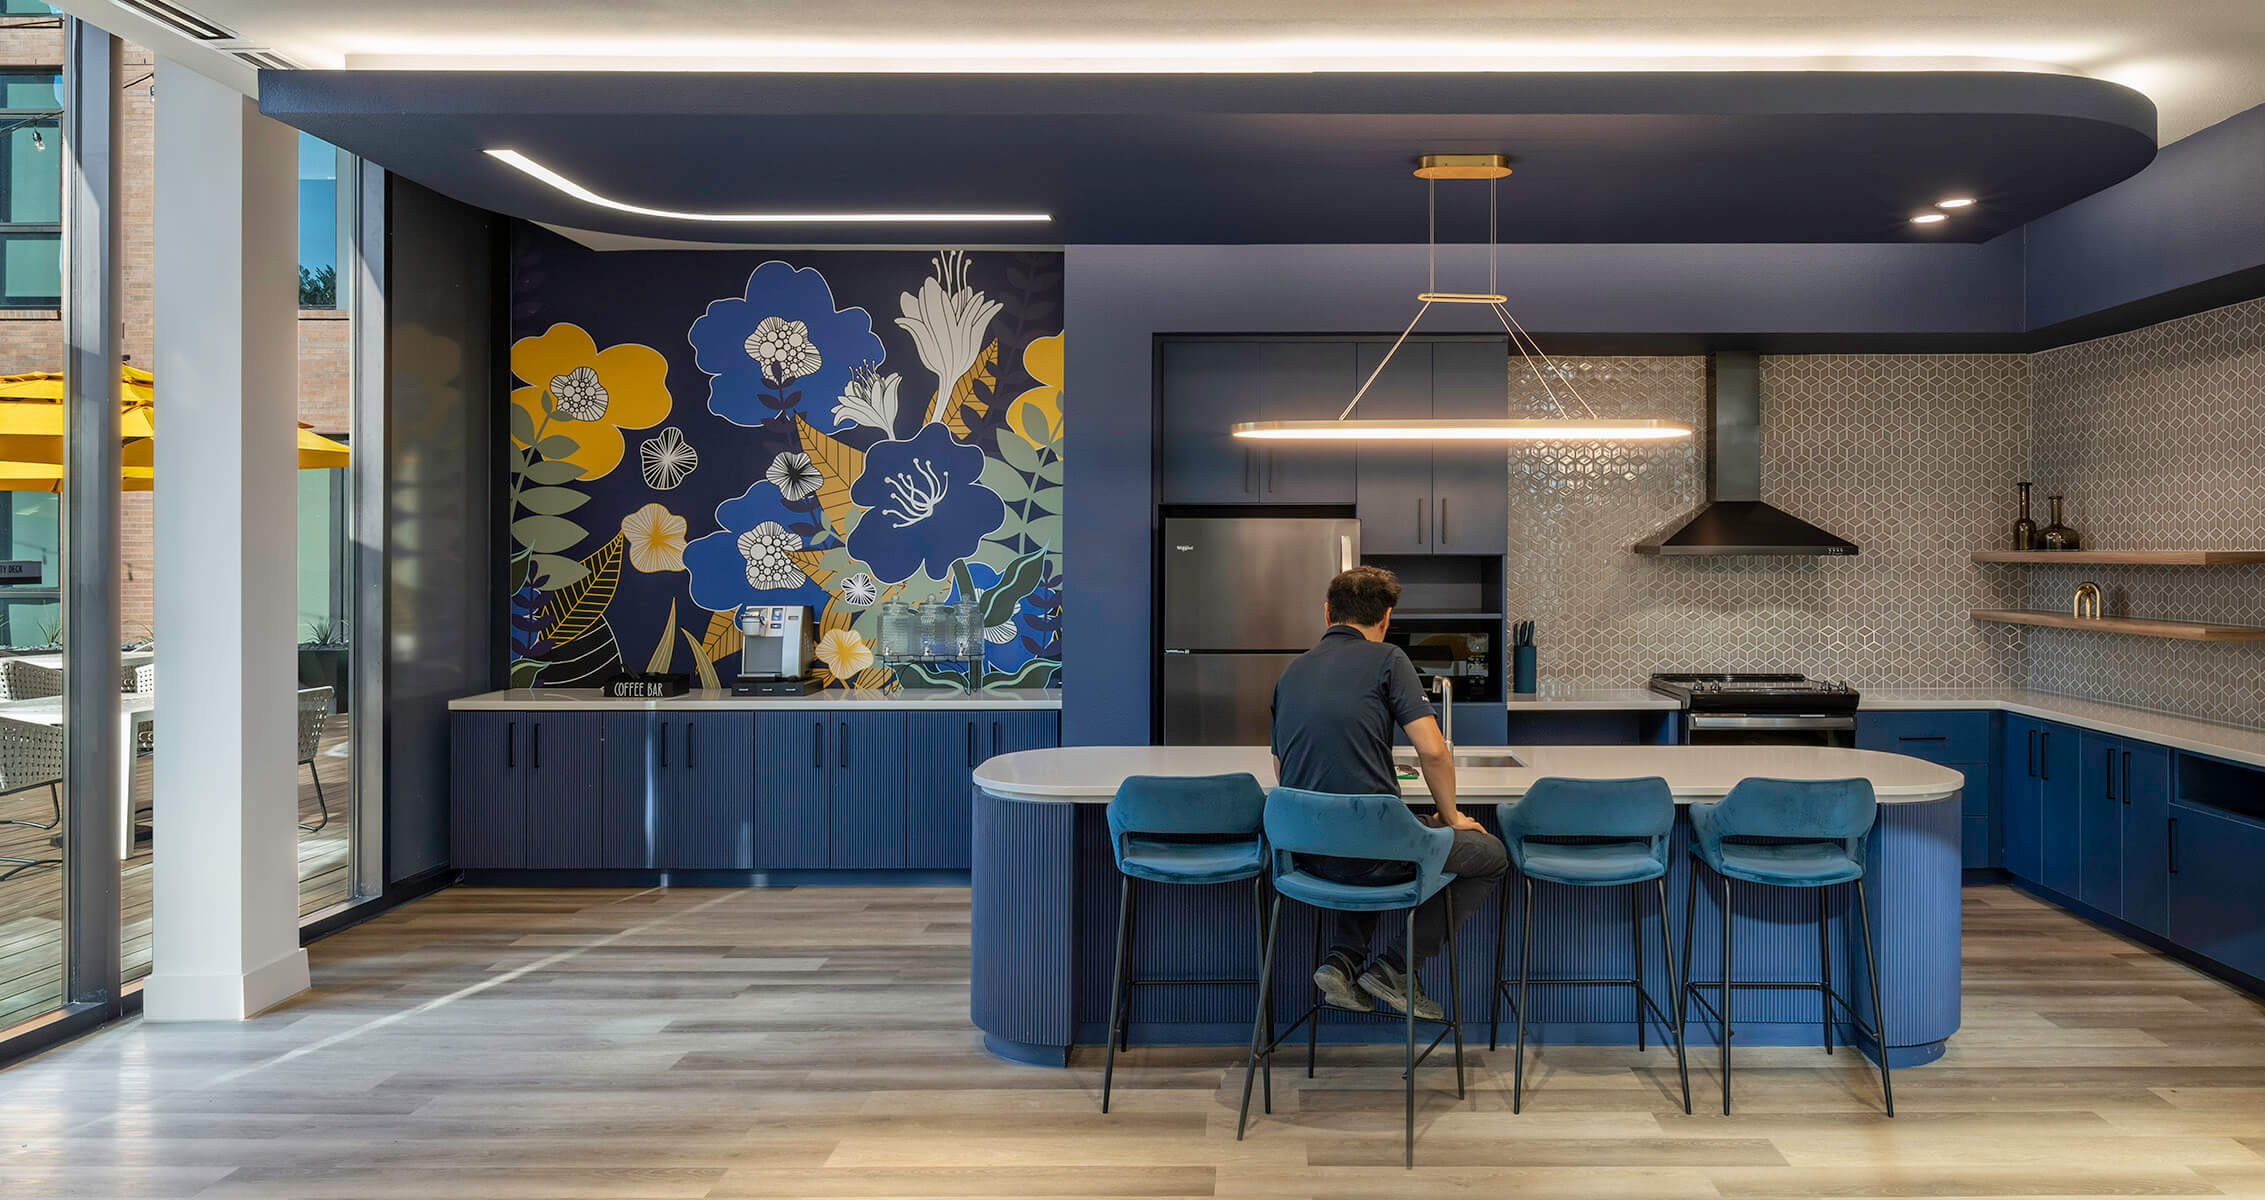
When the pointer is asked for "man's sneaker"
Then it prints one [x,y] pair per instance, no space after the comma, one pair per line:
[1335,979]
[1384,981]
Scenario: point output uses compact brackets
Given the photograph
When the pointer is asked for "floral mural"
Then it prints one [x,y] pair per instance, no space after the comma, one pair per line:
[838,463]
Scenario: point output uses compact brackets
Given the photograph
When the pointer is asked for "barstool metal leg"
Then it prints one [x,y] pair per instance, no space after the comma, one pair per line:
[1824,967]
[1636,935]
[1454,995]
[1258,1018]
[1683,990]
[1525,974]
[1724,993]
[1407,992]
[1117,987]
[1674,988]
[1879,1013]
[1501,952]
[1132,902]
[1258,915]
[1313,1022]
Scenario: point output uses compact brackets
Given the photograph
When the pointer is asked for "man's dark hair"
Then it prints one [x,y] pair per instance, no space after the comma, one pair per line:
[1362,595]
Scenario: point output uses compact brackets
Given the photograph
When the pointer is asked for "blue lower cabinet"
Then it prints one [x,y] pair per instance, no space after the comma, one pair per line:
[1961,740]
[2059,776]
[2146,792]
[2216,907]
[488,789]
[2019,821]
[704,804]
[941,753]
[793,790]
[1011,731]
[868,828]
[2099,822]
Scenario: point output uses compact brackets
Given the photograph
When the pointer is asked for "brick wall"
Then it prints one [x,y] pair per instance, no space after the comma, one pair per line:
[32,340]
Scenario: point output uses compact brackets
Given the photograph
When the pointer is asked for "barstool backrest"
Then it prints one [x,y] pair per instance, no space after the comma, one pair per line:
[1374,827]
[1185,806]
[1592,808]
[1820,810]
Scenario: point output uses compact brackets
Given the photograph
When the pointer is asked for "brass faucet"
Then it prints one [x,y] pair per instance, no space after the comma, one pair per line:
[2086,605]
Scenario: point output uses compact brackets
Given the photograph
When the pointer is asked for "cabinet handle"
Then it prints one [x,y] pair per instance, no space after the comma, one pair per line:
[2111,780]
[1921,737]
[1419,520]
[971,743]
[994,739]
[1443,520]
[845,744]
[535,745]
[664,745]
[2172,835]
[1270,471]
[510,744]
[817,745]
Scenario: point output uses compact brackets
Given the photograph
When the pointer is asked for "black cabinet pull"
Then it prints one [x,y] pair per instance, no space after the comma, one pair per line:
[971,743]
[2172,834]
[994,739]
[1419,520]
[664,745]
[1921,737]
[1269,470]
[1443,520]
[845,744]
[817,745]
[510,744]
[2032,754]
[535,746]
[2111,779]
[691,747]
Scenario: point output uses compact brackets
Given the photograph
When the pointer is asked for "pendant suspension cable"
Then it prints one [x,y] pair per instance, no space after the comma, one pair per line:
[1509,322]
[1387,359]
[1431,232]
[1503,315]
[1493,238]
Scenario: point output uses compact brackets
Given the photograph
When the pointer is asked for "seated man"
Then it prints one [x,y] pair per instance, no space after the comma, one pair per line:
[1334,712]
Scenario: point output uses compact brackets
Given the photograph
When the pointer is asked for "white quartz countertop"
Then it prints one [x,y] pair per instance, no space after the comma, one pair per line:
[1090,774]
[2183,733]
[1622,699]
[911,699]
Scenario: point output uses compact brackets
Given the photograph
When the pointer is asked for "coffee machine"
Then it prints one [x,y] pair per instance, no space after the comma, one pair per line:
[775,651]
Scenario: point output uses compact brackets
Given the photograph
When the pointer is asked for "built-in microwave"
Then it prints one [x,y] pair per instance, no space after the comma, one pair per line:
[1460,649]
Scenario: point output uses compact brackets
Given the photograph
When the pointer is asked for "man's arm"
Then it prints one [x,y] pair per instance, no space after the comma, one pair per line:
[1437,760]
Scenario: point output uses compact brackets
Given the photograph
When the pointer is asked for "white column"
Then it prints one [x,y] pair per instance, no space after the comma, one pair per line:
[227,877]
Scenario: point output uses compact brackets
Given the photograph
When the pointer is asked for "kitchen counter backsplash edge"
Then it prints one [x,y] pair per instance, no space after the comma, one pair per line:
[595,700]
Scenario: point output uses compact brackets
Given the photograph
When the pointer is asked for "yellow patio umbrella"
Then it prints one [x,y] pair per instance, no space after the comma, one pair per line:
[32,421]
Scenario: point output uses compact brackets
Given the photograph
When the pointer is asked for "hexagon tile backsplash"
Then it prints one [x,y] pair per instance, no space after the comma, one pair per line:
[1913,457]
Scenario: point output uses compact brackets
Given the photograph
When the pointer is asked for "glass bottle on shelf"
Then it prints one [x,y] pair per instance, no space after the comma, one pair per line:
[2057,536]
[2024,529]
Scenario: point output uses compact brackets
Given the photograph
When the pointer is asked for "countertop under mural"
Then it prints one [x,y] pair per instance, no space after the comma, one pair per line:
[909,699]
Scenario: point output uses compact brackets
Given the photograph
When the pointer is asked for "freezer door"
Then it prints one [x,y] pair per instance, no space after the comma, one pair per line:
[1251,583]
[1220,699]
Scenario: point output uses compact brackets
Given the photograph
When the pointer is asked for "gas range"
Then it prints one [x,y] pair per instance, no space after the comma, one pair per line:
[1765,709]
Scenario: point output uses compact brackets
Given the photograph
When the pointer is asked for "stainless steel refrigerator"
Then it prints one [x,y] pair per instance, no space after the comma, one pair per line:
[1242,597]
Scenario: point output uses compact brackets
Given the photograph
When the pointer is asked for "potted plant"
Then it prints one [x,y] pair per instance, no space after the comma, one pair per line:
[322,660]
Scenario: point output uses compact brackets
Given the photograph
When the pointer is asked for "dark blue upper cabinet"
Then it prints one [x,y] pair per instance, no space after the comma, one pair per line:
[1306,381]
[1470,484]
[869,809]
[793,789]
[2145,788]
[1208,386]
[705,806]
[1392,480]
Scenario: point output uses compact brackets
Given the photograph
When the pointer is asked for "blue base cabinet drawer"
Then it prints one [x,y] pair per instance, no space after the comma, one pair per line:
[2217,908]
[942,752]
[1944,737]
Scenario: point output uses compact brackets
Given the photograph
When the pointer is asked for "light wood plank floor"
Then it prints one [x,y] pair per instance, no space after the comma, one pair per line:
[31,906]
[814,1042]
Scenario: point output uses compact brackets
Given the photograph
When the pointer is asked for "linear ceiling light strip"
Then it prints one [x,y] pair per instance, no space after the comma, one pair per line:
[540,172]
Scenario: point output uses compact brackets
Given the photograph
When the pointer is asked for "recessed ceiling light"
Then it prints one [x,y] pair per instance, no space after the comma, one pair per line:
[1956,202]
[520,161]
[1928,218]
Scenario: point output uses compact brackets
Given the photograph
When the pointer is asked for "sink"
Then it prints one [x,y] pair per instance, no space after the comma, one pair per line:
[1477,758]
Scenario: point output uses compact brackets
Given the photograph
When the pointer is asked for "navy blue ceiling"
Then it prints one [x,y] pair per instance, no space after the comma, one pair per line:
[1665,157]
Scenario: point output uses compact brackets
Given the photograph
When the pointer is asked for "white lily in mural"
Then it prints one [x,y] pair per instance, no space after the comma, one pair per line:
[947,320]
[869,400]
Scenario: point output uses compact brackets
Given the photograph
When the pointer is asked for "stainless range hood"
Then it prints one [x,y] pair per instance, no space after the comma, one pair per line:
[1734,520]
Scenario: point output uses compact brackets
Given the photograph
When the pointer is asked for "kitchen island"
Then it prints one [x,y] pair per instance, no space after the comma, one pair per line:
[1045,893]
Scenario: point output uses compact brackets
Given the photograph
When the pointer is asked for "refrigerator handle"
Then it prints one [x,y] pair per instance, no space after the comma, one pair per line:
[1344,552]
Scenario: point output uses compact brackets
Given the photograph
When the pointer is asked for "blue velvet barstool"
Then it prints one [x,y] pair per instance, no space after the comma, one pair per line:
[1191,831]
[1588,833]
[1787,833]
[1377,827]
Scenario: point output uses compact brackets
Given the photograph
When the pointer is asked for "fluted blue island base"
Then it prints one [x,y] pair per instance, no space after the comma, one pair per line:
[1044,912]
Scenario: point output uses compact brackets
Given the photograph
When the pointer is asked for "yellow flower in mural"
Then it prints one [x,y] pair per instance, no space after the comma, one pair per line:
[844,653]
[654,537]
[1037,413]
[586,395]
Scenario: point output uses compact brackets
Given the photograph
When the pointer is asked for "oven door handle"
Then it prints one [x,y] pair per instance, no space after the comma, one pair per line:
[1792,722]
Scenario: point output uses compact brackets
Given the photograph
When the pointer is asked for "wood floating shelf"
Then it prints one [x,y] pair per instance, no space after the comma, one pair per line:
[2128,558]
[2190,631]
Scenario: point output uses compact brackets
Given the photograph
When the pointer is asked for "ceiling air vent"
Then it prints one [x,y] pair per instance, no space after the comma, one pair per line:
[177,19]
[263,58]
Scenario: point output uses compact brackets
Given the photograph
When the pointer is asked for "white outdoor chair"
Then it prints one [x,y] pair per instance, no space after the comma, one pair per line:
[31,756]
[314,714]
[21,680]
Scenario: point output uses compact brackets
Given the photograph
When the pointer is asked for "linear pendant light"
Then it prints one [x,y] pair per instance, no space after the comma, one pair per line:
[1564,427]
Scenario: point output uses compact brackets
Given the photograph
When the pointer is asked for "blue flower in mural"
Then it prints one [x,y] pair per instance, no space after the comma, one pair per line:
[926,509]
[782,347]
[751,560]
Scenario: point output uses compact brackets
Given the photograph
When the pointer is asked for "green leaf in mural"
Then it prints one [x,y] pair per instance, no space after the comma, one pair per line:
[524,671]
[557,445]
[1029,674]
[1019,454]
[552,471]
[964,581]
[930,677]
[552,500]
[518,573]
[522,426]
[664,654]
[1052,471]
[1014,583]
[705,669]
[553,571]
[547,534]
[1049,499]
[1005,480]
[1045,531]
